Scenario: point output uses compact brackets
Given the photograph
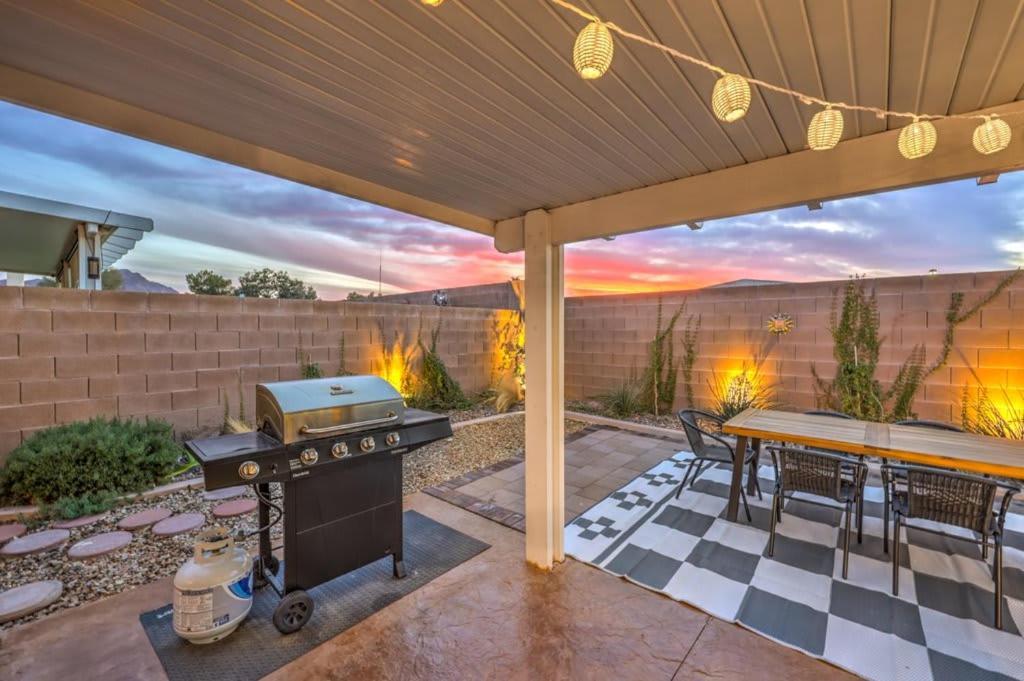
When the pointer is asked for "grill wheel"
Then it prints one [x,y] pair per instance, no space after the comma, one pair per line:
[293,612]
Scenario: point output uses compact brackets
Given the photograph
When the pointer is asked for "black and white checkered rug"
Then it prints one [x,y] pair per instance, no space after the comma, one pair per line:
[940,627]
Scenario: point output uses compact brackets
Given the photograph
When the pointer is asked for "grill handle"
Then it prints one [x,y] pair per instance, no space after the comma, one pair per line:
[306,430]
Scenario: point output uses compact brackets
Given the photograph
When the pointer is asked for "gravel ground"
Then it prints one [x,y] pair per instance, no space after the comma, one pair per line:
[479,410]
[148,557]
[595,408]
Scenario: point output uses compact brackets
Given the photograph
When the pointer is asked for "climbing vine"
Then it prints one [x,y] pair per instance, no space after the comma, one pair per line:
[856,344]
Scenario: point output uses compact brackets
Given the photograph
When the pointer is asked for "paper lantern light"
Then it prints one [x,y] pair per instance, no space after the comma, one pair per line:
[592,53]
[731,98]
[917,139]
[825,130]
[991,136]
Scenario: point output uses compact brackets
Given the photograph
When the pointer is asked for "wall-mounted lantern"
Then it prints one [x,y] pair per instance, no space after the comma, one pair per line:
[94,267]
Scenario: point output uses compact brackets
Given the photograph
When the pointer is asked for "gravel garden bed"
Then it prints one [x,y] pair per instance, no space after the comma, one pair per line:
[670,420]
[149,557]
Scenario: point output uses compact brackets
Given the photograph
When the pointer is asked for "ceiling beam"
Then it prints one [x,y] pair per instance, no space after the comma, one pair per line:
[863,165]
[50,96]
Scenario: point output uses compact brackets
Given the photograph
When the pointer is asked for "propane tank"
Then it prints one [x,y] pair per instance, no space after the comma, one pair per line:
[213,589]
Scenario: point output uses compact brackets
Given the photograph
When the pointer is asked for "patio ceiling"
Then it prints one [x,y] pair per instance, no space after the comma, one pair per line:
[471,113]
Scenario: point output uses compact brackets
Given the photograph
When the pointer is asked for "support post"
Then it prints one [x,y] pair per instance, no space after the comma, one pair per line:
[545,408]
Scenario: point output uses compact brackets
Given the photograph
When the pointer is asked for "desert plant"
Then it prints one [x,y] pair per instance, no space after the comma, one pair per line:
[658,383]
[509,330]
[435,389]
[234,424]
[625,400]
[856,344]
[396,361]
[77,464]
[690,347]
[307,367]
[1002,417]
[745,390]
[342,368]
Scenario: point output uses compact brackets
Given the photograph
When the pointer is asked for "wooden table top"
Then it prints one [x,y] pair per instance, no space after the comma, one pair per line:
[929,446]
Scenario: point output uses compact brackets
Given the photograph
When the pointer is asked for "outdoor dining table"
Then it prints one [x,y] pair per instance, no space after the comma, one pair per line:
[979,454]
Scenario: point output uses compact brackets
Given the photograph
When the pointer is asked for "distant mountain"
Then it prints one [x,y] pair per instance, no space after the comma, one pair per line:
[132,281]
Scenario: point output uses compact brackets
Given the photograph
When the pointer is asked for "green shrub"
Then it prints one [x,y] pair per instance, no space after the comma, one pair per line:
[80,463]
[68,508]
[436,389]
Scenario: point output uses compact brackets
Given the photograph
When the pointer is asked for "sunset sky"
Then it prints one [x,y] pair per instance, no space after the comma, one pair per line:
[216,216]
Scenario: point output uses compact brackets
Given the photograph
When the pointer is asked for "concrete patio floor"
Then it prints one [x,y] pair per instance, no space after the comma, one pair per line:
[493,617]
[598,461]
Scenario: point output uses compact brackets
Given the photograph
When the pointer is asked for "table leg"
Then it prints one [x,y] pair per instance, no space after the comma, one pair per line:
[756,444]
[732,510]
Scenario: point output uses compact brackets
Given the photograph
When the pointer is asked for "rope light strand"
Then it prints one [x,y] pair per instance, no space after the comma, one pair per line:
[729,102]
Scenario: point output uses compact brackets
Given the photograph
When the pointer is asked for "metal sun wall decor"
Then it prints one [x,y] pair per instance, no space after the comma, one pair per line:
[780,323]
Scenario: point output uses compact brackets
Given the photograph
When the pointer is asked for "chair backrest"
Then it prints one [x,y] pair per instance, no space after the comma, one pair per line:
[951,498]
[805,470]
[690,418]
[936,425]
[827,412]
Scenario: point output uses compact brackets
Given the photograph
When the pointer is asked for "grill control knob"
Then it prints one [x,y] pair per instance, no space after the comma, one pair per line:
[367,444]
[339,450]
[248,470]
[392,439]
[309,456]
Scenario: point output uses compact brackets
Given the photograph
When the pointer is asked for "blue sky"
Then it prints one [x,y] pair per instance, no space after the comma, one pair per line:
[212,215]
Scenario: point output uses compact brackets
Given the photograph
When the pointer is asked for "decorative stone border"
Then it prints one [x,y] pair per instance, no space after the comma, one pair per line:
[17,512]
[448,491]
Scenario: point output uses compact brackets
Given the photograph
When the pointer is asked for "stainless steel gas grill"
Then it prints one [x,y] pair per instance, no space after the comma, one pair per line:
[336,445]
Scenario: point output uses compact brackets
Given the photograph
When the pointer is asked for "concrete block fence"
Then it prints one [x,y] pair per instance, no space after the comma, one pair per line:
[67,355]
[607,337]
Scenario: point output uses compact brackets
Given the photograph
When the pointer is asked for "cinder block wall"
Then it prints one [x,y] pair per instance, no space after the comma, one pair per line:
[607,336]
[67,355]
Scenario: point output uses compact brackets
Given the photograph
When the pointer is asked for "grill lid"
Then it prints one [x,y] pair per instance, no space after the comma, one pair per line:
[301,410]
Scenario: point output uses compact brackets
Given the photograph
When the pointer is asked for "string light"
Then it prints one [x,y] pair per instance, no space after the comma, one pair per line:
[432,3]
[731,98]
[991,136]
[917,139]
[825,130]
[592,53]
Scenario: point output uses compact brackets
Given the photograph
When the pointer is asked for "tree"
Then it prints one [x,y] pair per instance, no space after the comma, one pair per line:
[356,295]
[47,282]
[267,283]
[111,279]
[208,283]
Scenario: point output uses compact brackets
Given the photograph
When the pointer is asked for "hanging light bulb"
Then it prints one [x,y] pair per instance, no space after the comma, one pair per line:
[731,98]
[432,3]
[826,129]
[592,53]
[991,136]
[917,139]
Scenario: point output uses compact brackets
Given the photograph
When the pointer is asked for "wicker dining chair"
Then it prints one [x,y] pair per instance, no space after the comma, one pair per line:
[822,474]
[711,448]
[950,498]
[915,423]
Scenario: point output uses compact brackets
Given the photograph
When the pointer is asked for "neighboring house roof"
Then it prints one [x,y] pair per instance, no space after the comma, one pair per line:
[37,233]
[746,282]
